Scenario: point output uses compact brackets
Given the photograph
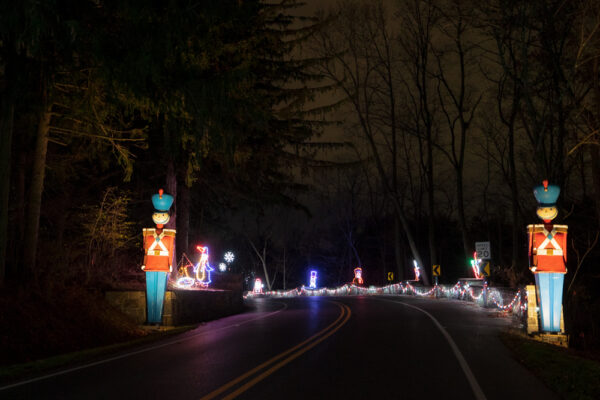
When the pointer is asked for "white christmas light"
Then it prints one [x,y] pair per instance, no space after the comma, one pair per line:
[458,291]
[229,257]
[222,267]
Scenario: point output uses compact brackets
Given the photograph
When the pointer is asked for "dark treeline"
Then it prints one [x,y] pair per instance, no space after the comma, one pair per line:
[105,102]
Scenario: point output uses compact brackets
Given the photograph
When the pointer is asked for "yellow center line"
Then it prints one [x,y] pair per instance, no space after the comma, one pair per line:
[277,366]
[240,378]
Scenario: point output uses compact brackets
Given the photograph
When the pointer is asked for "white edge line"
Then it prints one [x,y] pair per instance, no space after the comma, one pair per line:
[477,391]
[145,349]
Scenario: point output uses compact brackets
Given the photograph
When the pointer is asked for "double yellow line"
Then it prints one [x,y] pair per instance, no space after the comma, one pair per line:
[285,357]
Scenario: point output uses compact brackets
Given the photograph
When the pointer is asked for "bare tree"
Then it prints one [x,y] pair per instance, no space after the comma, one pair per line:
[587,65]
[458,98]
[359,59]
[418,19]
[262,257]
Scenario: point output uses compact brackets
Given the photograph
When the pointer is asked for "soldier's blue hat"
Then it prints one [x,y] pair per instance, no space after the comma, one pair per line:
[162,201]
[546,195]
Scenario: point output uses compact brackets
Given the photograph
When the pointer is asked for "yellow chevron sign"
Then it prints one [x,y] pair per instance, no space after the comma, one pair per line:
[437,270]
[390,276]
[486,270]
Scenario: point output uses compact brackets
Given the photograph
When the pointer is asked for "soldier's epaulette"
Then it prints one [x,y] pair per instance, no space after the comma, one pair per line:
[148,231]
[169,232]
[538,228]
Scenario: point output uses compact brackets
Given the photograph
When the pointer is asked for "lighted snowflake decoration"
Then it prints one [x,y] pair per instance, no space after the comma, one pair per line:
[229,257]
[222,267]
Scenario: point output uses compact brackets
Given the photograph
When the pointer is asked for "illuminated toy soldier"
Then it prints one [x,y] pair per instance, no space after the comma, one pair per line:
[258,286]
[548,257]
[158,256]
[358,280]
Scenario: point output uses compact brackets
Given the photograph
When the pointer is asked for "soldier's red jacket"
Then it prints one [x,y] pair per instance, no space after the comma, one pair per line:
[547,248]
[158,249]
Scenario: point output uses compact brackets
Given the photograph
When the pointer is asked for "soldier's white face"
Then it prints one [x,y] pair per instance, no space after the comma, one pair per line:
[547,213]
[160,218]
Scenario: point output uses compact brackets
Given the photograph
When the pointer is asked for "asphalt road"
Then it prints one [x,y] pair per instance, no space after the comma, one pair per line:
[366,347]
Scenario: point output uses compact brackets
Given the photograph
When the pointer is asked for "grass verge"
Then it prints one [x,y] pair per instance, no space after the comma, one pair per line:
[24,371]
[568,374]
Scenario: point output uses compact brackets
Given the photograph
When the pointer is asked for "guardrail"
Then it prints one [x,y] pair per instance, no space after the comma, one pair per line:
[510,300]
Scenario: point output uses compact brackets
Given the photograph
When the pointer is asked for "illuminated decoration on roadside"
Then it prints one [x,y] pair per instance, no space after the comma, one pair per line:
[222,267]
[475,266]
[548,257]
[358,280]
[203,268]
[185,281]
[417,271]
[313,279]
[258,286]
[229,257]
[158,256]
[200,274]
[518,303]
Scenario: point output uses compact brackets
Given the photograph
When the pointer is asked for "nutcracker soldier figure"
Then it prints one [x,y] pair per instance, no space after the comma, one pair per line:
[158,256]
[358,280]
[257,286]
[548,257]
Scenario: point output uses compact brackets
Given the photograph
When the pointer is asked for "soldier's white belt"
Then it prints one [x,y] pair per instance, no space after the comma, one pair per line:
[157,253]
[549,252]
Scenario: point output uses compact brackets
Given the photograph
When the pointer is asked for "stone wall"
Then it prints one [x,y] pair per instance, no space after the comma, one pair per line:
[181,306]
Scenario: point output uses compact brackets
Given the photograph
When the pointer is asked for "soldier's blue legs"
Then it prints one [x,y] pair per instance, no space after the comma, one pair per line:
[550,287]
[156,284]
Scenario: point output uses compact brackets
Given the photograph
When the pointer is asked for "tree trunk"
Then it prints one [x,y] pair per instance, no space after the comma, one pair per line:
[7,109]
[594,150]
[398,254]
[263,260]
[20,198]
[514,192]
[36,190]
[462,221]
[595,161]
[183,217]
[411,241]
[433,259]
[171,188]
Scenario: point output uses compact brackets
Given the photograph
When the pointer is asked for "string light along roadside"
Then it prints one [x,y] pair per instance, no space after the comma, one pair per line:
[458,291]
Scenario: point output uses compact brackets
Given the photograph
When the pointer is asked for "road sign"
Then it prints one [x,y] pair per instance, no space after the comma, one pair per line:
[483,250]
[390,276]
[437,270]
[485,271]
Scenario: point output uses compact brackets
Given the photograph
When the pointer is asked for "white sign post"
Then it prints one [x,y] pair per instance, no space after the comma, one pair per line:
[483,250]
